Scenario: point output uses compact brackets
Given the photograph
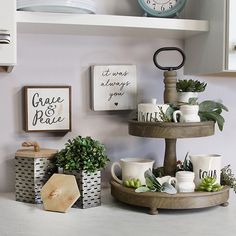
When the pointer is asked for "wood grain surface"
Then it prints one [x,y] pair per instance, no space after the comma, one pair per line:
[60,193]
[171,130]
[157,200]
[43,153]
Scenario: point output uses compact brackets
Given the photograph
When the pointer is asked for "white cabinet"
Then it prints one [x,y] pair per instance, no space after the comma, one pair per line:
[7,33]
[92,25]
[213,52]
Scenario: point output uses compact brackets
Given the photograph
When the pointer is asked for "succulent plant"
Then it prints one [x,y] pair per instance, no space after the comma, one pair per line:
[132,183]
[190,86]
[208,184]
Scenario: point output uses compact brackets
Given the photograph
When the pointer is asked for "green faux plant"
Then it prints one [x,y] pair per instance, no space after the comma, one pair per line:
[82,154]
[211,110]
[132,183]
[227,177]
[153,185]
[186,165]
[208,184]
[190,86]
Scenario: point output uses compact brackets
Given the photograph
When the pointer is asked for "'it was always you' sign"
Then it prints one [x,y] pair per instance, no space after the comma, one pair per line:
[113,87]
[47,108]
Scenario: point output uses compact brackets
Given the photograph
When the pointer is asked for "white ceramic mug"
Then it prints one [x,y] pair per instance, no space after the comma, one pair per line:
[150,112]
[132,168]
[185,182]
[188,113]
[206,165]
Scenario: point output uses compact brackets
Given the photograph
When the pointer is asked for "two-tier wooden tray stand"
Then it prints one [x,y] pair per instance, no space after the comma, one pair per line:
[170,132]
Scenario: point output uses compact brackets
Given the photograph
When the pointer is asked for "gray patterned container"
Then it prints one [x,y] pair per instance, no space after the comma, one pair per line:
[32,172]
[90,188]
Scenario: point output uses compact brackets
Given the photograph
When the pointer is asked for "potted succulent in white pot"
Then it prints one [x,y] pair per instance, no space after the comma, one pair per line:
[189,89]
[84,158]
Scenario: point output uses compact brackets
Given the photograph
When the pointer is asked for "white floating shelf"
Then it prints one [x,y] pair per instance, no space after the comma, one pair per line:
[108,25]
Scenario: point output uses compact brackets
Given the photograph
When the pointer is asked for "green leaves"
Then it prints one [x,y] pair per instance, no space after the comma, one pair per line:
[151,181]
[82,154]
[153,185]
[208,184]
[209,105]
[168,188]
[190,86]
[186,165]
[211,110]
[227,177]
[192,101]
[132,183]
[142,189]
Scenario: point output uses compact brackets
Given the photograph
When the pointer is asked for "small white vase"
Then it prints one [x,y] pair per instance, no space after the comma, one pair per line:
[187,113]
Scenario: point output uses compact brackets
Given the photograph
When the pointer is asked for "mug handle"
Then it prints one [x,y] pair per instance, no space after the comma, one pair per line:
[175,116]
[113,174]
[172,180]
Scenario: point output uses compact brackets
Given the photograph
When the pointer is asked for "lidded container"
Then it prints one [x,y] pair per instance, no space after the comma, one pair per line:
[34,166]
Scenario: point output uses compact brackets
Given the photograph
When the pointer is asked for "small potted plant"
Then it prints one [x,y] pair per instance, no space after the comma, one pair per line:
[84,158]
[189,89]
[212,111]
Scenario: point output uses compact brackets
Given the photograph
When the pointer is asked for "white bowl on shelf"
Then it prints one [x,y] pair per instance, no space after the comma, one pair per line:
[58,6]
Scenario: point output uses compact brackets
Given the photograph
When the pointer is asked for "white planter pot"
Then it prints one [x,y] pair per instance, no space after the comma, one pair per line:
[184,96]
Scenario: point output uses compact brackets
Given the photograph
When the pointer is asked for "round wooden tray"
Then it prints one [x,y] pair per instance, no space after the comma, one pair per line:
[157,200]
[170,130]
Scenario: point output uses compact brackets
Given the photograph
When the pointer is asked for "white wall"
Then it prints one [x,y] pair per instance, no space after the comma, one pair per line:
[65,60]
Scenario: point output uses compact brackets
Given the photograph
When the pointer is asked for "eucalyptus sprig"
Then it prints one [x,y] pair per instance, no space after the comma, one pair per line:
[164,116]
[168,115]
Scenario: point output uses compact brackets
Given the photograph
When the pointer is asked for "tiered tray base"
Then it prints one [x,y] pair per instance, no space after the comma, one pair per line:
[155,201]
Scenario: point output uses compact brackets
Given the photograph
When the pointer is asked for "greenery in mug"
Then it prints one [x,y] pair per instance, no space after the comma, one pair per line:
[186,165]
[190,86]
[82,154]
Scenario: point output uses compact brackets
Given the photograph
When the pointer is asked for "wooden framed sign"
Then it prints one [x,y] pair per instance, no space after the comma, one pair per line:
[47,108]
[113,87]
